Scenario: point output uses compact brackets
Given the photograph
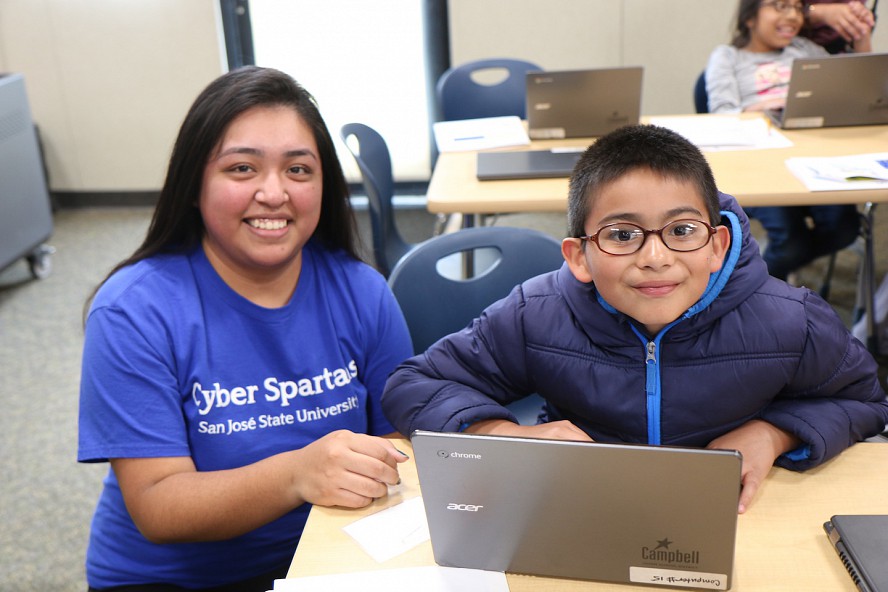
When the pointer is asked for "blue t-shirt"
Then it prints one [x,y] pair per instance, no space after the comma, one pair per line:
[176,363]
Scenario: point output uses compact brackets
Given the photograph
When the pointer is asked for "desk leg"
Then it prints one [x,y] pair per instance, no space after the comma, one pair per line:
[468,256]
[866,286]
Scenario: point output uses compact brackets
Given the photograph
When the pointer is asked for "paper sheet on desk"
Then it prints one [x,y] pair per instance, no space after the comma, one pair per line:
[841,173]
[480,134]
[725,132]
[425,579]
[392,531]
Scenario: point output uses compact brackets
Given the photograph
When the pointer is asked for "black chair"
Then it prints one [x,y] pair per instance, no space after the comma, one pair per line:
[701,98]
[462,96]
[373,158]
[436,305]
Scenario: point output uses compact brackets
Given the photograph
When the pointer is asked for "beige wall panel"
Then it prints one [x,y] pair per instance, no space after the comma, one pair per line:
[673,40]
[26,46]
[556,34]
[113,84]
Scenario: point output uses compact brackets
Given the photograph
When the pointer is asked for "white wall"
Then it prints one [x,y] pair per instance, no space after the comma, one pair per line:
[109,81]
[671,39]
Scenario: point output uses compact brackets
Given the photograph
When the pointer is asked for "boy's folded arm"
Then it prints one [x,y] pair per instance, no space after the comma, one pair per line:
[825,426]
[462,379]
[414,400]
[835,399]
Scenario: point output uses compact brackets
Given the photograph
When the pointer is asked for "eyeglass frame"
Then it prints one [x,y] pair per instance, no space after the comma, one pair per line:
[593,238]
[788,6]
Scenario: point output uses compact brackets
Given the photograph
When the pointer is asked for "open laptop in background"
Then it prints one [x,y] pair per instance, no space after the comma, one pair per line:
[582,103]
[861,542]
[834,91]
[613,512]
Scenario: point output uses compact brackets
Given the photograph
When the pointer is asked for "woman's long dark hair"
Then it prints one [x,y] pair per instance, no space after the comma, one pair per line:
[177,226]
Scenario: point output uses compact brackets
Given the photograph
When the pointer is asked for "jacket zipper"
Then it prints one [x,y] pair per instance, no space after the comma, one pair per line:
[652,390]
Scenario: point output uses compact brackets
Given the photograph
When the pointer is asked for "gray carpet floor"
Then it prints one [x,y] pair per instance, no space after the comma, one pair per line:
[46,498]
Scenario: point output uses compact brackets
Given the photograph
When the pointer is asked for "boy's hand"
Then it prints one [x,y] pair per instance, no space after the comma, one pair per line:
[760,443]
[556,430]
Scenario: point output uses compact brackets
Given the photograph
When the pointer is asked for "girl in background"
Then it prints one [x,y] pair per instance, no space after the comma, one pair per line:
[752,74]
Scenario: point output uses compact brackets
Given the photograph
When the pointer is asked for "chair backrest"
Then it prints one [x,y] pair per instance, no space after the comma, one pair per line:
[460,96]
[372,155]
[701,98]
[436,305]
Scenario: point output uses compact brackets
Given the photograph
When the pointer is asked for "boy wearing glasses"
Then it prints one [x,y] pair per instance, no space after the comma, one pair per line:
[663,327]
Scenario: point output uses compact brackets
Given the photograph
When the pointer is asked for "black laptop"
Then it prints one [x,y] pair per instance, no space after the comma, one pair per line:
[527,164]
[861,542]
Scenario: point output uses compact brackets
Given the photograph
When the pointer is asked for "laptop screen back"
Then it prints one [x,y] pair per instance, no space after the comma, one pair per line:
[612,512]
[582,103]
[838,90]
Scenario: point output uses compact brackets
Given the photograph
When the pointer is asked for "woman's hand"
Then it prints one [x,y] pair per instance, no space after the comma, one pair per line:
[347,469]
[170,501]
[760,443]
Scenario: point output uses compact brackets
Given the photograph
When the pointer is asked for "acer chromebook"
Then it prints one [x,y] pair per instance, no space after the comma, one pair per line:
[527,164]
[862,544]
[839,90]
[582,103]
[623,513]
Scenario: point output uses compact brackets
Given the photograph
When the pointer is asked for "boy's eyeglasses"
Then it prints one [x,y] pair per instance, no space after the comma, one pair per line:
[624,238]
[786,7]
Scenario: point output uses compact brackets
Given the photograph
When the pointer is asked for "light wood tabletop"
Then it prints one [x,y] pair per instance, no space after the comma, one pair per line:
[754,177]
[781,544]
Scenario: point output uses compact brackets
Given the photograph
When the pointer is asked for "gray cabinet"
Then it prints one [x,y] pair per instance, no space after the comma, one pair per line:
[25,212]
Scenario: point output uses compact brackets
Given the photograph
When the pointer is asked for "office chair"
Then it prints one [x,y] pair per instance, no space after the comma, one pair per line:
[436,305]
[372,155]
[701,98]
[460,96]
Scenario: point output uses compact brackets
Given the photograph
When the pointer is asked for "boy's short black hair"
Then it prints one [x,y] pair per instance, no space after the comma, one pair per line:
[629,148]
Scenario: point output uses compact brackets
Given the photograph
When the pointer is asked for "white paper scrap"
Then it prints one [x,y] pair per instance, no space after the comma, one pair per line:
[427,579]
[480,134]
[392,531]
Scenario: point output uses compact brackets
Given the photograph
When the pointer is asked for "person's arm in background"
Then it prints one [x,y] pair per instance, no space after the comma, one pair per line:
[853,21]
[722,87]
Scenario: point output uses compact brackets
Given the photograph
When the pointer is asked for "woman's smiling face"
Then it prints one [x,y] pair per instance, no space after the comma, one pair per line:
[261,194]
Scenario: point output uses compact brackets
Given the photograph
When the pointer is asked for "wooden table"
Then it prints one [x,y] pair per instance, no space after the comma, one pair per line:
[781,545]
[754,177]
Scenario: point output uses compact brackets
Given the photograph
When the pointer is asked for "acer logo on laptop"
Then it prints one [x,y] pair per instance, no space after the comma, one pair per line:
[463,507]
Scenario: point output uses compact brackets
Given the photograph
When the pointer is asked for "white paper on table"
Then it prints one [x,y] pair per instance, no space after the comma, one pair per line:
[725,132]
[427,579]
[479,134]
[392,531]
[841,173]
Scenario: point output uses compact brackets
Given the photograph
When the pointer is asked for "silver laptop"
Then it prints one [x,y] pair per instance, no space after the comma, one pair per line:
[612,512]
[582,103]
[527,164]
[839,90]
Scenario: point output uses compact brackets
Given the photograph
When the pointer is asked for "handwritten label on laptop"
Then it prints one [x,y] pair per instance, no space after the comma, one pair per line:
[677,577]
